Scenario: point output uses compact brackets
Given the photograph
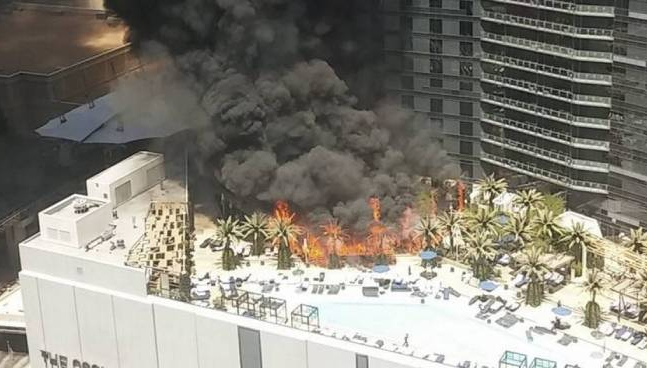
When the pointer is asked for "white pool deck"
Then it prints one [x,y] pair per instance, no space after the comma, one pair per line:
[447,327]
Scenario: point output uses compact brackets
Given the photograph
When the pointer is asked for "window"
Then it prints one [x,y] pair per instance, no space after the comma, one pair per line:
[465,86]
[361,361]
[435,3]
[620,50]
[466,5]
[405,3]
[467,168]
[407,101]
[407,62]
[435,25]
[406,23]
[435,83]
[465,27]
[435,65]
[466,49]
[436,46]
[466,148]
[406,82]
[249,343]
[465,69]
[406,43]
[466,109]
[466,128]
[436,105]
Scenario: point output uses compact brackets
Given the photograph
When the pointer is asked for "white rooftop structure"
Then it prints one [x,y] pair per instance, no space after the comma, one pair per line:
[568,220]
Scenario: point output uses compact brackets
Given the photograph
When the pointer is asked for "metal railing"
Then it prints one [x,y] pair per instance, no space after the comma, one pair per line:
[546,91]
[564,6]
[550,176]
[538,131]
[559,115]
[546,69]
[549,26]
[556,50]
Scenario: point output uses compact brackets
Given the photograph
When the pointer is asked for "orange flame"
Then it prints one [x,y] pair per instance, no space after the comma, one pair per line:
[460,196]
[374,202]
[282,211]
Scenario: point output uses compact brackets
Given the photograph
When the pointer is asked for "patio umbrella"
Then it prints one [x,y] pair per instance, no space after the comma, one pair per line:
[488,285]
[428,255]
[562,311]
[381,268]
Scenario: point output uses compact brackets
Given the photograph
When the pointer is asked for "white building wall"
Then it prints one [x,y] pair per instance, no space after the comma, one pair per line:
[60,325]
[96,327]
[217,342]
[135,328]
[33,320]
[324,356]
[280,351]
[90,227]
[176,337]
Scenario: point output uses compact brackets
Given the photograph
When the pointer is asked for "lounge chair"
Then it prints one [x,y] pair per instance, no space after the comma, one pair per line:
[529,335]
[440,358]
[474,299]
[642,345]
[496,307]
[637,337]
[513,306]
[453,292]
[321,289]
[620,331]
[446,293]
[625,336]
[622,360]
[606,328]
[486,307]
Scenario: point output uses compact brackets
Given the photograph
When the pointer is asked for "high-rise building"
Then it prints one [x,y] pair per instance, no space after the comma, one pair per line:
[432,53]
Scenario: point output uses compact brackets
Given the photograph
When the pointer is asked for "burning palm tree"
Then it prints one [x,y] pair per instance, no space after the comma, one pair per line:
[480,254]
[592,313]
[283,232]
[637,241]
[336,236]
[255,227]
[534,269]
[228,231]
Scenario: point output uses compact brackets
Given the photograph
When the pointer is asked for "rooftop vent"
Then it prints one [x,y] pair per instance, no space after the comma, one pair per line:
[80,205]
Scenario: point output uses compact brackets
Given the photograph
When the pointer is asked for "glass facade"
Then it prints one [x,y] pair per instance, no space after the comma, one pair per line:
[432,54]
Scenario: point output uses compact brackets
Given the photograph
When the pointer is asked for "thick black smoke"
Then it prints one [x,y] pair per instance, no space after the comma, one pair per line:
[283,124]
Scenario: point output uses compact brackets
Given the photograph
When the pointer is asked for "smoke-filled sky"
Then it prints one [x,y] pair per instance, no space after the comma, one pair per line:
[277,80]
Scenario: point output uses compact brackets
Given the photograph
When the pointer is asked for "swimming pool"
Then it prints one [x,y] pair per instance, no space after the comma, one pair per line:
[450,328]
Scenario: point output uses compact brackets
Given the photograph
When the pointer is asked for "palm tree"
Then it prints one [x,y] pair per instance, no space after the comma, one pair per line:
[452,223]
[530,200]
[521,228]
[255,226]
[336,235]
[430,230]
[480,254]
[490,188]
[534,269]
[637,241]
[228,231]
[484,219]
[555,203]
[546,227]
[426,201]
[592,313]
[282,231]
[578,240]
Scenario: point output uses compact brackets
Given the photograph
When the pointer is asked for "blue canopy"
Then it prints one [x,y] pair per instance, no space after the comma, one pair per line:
[488,285]
[562,311]
[428,255]
[380,268]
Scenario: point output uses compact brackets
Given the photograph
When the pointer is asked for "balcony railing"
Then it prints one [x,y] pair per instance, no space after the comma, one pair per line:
[555,50]
[537,131]
[561,116]
[553,156]
[546,91]
[548,69]
[565,6]
[532,170]
[560,28]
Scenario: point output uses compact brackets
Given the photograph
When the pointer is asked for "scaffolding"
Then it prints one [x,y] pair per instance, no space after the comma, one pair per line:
[510,359]
[257,305]
[305,316]
[542,363]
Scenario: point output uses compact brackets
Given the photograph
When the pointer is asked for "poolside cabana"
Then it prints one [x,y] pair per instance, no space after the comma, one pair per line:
[275,309]
[305,315]
[542,363]
[248,304]
[510,359]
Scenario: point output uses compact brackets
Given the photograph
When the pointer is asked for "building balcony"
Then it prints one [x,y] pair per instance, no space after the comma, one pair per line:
[557,115]
[555,50]
[547,134]
[543,174]
[552,71]
[565,7]
[553,156]
[541,90]
[542,25]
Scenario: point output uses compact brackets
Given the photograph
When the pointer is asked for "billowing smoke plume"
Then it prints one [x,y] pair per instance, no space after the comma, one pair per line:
[283,124]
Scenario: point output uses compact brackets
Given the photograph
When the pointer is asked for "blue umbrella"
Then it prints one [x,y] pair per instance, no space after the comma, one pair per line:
[488,285]
[562,311]
[428,255]
[380,268]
